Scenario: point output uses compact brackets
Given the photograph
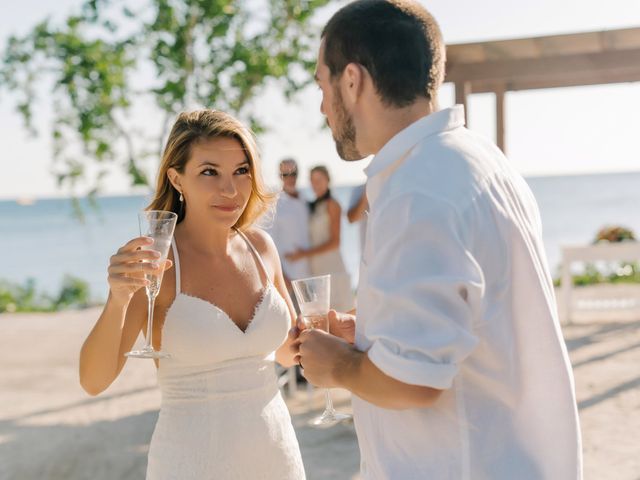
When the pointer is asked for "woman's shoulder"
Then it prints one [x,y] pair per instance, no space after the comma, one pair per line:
[265,246]
[333,204]
[261,240]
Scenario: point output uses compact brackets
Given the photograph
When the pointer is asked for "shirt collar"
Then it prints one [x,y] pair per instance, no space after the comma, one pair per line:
[400,143]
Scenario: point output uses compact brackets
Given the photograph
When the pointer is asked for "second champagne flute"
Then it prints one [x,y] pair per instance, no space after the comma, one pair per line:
[313,296]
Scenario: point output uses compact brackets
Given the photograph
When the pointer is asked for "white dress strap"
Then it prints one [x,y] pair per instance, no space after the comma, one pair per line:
[256,254]
[176,266]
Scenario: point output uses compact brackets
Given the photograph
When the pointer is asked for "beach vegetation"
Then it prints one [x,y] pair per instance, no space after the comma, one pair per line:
[608,272]
[25,297]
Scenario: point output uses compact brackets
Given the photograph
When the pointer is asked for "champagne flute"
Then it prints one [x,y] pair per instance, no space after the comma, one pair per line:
[158,225]
[313,296]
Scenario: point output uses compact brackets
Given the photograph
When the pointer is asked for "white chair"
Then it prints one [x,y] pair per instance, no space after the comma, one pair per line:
[615,252]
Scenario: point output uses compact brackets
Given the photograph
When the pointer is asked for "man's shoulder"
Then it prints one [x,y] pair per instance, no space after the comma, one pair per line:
[285,198]
[454,167]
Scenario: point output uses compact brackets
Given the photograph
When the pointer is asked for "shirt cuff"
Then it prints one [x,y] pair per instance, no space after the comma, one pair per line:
[412,371]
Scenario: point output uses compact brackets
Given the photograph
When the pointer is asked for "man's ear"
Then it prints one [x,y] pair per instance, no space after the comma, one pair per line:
[352,82]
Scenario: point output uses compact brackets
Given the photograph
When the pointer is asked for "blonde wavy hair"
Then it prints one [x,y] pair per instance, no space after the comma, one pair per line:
[191,128]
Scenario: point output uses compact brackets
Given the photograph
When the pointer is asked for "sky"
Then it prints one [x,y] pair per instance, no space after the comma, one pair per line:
[549,132]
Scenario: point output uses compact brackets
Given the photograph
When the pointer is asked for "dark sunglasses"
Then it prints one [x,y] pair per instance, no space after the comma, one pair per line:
[289,174]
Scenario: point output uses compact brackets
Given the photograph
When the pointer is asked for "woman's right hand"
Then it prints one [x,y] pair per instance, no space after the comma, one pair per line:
[295,256]
[342,325]
[126,268]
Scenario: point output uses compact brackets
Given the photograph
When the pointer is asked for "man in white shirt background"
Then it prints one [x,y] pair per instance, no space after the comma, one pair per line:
[457,363]
[290,226]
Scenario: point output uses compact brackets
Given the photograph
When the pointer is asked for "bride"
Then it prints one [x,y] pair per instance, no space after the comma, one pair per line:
[223,315]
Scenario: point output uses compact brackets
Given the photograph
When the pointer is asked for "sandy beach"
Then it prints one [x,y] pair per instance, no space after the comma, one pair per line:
[51,429]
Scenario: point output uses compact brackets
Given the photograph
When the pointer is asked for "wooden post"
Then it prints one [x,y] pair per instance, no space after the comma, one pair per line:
[463,90]
[500,119]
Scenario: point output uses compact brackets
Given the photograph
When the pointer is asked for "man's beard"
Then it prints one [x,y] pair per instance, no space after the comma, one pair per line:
[344,134]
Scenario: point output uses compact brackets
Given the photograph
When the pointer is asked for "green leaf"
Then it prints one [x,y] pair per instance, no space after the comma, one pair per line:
[104,60]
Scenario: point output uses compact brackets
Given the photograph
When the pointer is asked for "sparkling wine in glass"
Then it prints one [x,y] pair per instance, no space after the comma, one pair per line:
[313,296]
[158,225]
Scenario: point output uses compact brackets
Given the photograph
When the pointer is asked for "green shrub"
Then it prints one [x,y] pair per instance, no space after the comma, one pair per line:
[16,297]
[74,293]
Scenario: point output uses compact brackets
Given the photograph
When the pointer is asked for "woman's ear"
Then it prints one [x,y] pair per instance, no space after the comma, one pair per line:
[174,178]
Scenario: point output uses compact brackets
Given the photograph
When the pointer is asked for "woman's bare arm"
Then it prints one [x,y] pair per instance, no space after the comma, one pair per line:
[356,213]
[102,354]
[266,247]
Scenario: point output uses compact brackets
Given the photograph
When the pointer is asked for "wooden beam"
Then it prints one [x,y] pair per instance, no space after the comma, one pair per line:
[594,78]
[500,119]
[540,70]
[463,90]
[548,46]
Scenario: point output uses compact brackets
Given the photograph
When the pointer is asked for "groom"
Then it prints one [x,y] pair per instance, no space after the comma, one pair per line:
[457,365]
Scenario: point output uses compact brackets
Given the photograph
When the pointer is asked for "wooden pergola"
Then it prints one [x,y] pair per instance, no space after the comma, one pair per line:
[592,58]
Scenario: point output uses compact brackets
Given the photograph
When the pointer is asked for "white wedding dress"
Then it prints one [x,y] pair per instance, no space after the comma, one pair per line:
[222,416]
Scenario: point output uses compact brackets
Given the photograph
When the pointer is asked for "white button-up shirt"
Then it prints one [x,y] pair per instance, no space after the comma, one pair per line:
[455,294]
[290,232]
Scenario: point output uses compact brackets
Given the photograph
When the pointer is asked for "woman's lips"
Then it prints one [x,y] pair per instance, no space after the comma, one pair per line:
[226,208]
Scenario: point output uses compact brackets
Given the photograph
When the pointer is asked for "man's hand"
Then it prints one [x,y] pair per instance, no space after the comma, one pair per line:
[329,361]
[323,357]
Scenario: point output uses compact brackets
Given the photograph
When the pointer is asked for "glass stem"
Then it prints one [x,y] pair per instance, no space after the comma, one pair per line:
[152,301]
[328,403]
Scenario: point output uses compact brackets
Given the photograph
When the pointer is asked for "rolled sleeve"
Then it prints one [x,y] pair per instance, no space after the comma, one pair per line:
[424,292]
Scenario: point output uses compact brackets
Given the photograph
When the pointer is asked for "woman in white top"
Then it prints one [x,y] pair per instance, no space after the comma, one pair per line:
[324,235]
[221,316]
